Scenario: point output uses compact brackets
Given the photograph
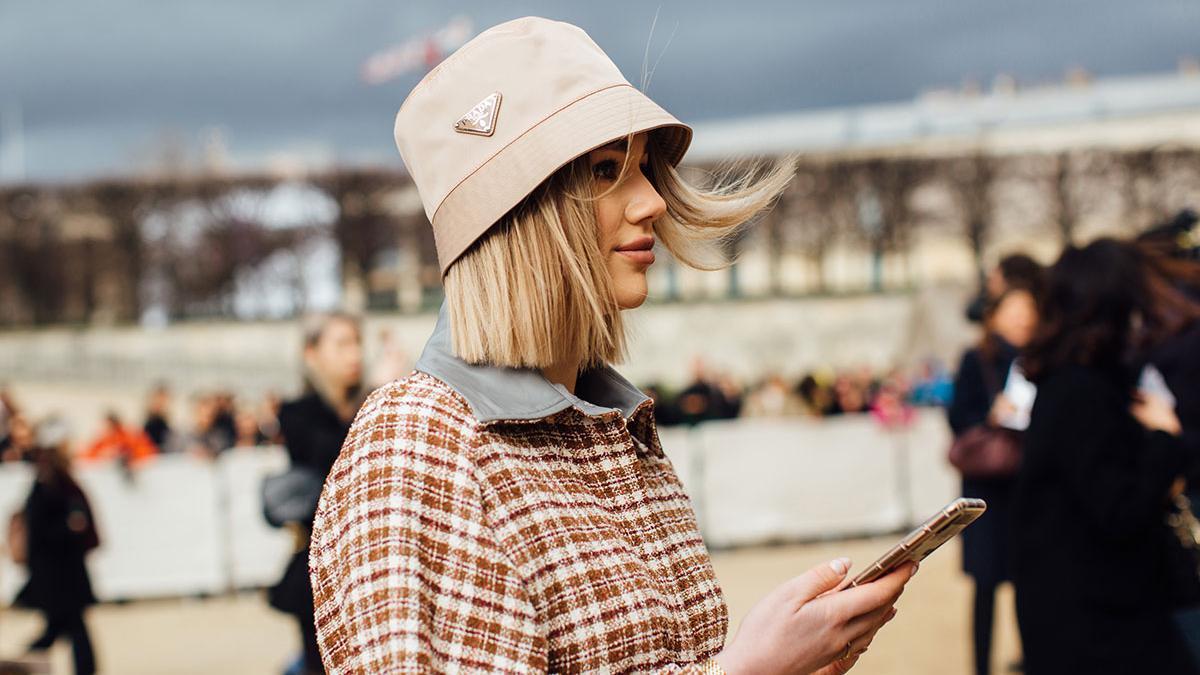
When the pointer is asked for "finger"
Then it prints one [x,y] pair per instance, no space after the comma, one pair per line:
[867,623]
[843,666]
[861,632]
[864,599]
[819,579]
[838,667]
[842,585]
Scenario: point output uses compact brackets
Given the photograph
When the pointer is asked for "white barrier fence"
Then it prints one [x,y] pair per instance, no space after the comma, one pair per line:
[176,526]
[760,481]
[183,526]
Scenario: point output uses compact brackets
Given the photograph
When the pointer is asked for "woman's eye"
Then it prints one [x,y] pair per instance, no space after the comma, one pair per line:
[606,170]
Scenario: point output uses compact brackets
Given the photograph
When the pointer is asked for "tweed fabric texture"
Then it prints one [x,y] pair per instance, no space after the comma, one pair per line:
[565,544]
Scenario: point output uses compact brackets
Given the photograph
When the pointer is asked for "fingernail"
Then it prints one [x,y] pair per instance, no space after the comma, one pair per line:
[840,566]
[915,567]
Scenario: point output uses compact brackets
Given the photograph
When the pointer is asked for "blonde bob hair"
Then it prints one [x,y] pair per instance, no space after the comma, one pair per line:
[534,291]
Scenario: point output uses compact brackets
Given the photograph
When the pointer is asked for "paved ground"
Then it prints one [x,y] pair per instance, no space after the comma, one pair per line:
[240,634]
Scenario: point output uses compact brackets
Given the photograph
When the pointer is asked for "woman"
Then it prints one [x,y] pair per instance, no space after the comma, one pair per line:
[60,531]
[979,401]
[1092,551]
[1178,357]
[1016,270]
[508,507]
[314,427]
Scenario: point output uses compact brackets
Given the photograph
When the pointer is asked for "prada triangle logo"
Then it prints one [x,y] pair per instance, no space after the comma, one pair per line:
[481,119]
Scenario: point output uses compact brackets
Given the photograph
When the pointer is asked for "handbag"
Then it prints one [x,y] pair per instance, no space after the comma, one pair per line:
[984,451]
[79,518]
[291,496]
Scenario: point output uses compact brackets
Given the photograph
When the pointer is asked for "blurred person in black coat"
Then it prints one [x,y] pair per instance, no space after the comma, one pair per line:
[1092,553]
[158,411]
[314,427]
[59,533]
[1009,323]
[1173,253]
[707,397]
[1016,270]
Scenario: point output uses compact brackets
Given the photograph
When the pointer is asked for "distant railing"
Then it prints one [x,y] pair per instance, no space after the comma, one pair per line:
[185,526]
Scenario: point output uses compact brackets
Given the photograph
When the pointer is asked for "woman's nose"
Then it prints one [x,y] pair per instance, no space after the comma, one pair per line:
[645,204]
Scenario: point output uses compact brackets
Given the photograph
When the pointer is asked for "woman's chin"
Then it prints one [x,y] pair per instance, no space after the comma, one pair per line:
[628,298]
[629,287]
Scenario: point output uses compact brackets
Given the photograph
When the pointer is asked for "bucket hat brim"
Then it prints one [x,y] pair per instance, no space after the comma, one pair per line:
[513,172]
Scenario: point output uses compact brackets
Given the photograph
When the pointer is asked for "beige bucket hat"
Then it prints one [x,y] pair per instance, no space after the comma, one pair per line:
[507,110]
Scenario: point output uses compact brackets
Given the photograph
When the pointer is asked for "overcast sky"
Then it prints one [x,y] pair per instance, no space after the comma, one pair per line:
[96,83]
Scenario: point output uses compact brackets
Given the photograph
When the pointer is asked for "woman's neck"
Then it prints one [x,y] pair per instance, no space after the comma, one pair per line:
[336,397]
[563,373]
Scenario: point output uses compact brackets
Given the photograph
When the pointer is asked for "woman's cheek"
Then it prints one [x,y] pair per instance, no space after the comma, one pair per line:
[609,220]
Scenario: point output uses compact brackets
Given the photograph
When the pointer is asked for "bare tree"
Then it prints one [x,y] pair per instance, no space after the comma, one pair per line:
[32,253]
[363,227]
[1140,168]
[885,209]
[817,210]
[1067,211]
[972,178]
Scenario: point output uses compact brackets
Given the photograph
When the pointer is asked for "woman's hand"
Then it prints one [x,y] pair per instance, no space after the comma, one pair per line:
[1156,414]
[804,625]
[1002,409]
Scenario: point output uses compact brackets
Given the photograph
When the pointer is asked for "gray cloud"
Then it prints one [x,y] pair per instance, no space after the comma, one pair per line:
[100,81]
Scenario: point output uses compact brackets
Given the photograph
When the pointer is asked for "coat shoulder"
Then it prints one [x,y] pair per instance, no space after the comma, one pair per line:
[411,431]
[410,423]
[418,413]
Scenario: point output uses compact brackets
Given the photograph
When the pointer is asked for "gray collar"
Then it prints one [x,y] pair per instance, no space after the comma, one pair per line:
[502,393]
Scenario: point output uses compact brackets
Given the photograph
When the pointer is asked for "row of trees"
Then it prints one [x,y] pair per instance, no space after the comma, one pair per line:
[113,250]
[882,203]
[110,250]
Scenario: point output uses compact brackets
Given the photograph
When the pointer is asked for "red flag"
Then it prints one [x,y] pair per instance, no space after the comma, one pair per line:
[425,50]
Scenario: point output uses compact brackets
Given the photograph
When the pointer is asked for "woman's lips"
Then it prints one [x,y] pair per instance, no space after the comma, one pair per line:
[639,250]
[642,256]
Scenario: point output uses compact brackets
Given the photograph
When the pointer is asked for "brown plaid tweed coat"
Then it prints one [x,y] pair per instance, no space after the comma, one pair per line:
[485,519]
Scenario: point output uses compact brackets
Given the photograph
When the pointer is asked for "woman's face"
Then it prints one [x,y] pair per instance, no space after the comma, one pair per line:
[337,356]
[1015,318]
[626,216]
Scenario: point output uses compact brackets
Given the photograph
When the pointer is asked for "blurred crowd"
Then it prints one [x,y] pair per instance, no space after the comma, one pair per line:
[889,396]
[1076,417]
[218,422]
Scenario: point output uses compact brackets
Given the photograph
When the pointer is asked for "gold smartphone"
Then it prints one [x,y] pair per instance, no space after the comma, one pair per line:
[926,539]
